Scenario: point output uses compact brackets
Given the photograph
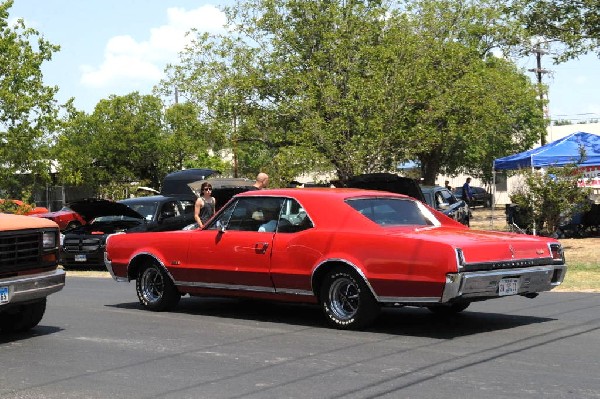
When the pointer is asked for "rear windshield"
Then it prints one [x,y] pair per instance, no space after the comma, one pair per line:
[393,211]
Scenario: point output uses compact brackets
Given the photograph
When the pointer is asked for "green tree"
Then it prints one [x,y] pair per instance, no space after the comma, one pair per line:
[576,23]
[28,110]
[468,106]
[357,86]
[121,141]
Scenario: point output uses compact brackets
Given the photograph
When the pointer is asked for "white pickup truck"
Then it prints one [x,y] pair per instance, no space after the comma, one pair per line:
[28,270]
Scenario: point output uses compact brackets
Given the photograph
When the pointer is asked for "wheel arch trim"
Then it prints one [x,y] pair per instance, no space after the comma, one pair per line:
[136,261]
[320,270]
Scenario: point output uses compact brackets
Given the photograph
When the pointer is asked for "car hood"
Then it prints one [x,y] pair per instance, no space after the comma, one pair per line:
[90,209]
[486,246]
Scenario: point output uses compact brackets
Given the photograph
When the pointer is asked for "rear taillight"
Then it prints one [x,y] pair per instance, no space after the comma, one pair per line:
[557,253]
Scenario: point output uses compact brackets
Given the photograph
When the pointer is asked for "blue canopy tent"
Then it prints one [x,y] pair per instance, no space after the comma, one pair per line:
[561,152]
[557,153]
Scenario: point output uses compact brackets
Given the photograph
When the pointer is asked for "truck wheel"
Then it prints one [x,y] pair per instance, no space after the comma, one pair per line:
[23,317]
[347,301]
[155,290]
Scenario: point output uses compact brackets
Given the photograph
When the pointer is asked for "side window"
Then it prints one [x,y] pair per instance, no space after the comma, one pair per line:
[251,214]
[448,197]
[169,210]
[187,207]
[439,199]
[293,218]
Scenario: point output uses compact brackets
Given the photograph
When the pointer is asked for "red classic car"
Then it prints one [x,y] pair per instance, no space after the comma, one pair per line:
[65,218]
[352,251]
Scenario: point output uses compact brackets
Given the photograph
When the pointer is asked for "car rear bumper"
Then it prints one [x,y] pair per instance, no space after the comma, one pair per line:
[31,287]
[485,284]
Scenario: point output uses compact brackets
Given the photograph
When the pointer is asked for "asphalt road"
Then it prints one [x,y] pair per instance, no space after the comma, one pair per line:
[96,342]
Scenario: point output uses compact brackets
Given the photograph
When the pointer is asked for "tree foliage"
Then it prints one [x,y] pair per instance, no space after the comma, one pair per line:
[468,106]
[28,109]
[576,23]
[119,142]
[358,86]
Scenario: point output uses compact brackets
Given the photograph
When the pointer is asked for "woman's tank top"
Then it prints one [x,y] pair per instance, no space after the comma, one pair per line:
[207,210]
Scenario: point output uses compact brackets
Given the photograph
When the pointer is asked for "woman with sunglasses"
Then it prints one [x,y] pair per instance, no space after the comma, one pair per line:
[205,205]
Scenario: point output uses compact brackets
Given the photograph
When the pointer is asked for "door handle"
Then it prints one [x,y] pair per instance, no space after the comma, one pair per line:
[261,247]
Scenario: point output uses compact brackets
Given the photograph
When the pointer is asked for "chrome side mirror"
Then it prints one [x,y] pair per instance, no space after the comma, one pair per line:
[221,227]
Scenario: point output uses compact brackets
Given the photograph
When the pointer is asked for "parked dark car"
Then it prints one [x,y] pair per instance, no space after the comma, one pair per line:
[441,199]
[452,207]
[223,188]
[176,183]
[84,246]
[480,196]
[385,182]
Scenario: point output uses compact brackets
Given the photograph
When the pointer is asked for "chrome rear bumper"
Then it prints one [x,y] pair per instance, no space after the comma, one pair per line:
[485,284]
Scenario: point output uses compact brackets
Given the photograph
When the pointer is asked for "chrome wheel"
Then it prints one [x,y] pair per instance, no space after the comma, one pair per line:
[152,285]
[344,298]
[155,289]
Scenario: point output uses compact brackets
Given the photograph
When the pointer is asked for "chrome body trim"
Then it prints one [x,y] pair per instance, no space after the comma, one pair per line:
[34,286]
[108,265]
[219,286]
[484,284]
[294,292]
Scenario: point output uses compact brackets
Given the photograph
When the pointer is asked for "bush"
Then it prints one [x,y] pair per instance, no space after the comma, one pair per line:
[550,196]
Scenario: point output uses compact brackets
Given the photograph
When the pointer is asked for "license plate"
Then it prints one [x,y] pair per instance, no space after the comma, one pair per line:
[508,286]
[3,294]
[80,258]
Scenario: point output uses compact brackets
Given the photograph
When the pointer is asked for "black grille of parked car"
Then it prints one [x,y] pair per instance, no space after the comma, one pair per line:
[20,250]
[82,244]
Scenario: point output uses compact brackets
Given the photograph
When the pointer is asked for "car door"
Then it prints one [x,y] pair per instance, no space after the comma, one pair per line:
[237,255]
[295,252]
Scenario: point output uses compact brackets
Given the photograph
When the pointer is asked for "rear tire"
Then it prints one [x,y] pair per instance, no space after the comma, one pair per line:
[24,317]
[347,301]
[155,290]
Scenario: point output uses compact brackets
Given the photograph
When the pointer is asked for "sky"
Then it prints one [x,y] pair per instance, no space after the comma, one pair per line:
[120,46]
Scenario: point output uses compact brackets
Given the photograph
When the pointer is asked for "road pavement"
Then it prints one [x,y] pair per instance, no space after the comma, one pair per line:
[95,341]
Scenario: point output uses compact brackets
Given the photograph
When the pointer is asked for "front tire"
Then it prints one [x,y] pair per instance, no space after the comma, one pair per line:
[155,290]
[347,301]
[24,317]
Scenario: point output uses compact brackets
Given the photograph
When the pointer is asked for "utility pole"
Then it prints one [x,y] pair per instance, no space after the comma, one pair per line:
[539,71]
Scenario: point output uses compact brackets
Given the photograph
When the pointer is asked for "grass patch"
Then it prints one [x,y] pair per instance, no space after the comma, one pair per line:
[581,277]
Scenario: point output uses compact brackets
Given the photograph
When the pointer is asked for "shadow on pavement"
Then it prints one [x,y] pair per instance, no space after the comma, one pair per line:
[398,321]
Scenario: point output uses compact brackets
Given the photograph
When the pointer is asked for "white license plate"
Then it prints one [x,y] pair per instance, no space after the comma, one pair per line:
[508,286]
[80,258]
[3,294]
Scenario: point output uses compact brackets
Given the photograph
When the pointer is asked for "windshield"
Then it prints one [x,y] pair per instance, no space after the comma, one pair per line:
[146,209]
[393,211]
